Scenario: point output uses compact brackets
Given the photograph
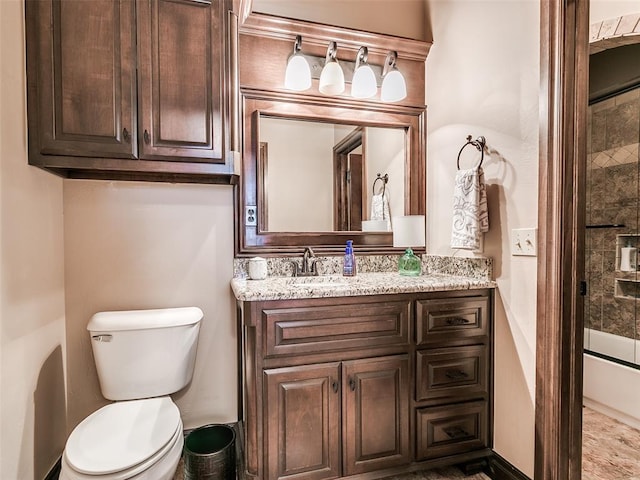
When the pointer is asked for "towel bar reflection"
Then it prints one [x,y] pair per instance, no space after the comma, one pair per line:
[384,178]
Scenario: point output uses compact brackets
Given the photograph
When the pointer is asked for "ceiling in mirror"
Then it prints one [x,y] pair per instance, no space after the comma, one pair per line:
[321,176]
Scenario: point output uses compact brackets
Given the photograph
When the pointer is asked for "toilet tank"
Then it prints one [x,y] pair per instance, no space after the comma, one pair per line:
[144,353]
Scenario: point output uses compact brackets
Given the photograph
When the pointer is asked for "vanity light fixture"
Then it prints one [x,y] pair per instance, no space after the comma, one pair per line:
[364,83]
[332,76]
[394,87]
[365,78]
[298,74]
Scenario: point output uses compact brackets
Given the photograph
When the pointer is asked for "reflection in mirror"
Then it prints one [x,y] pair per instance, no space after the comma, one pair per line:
[319,177]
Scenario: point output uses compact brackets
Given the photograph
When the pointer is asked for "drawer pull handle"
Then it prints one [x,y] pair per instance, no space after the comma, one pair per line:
[126,135]
[457,321]
[147,137]
[456,432]
[352,384]
[456,374]
[334,385]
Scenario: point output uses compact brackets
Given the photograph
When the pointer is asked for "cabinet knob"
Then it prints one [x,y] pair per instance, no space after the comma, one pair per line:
[352,384]
[147,137]
[126,135]
[335,386]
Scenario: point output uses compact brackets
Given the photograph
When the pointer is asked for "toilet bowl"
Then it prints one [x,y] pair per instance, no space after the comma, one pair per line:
[131,440]
[141,356]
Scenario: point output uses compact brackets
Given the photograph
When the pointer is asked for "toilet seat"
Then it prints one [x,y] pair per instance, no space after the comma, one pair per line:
[123,439]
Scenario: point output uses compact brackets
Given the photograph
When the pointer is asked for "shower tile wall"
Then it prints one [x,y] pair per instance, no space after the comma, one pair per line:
[612,198]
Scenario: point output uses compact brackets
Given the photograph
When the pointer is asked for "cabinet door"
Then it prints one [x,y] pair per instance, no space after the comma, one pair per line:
[180,46]
[85,77]
[302,422]
[375,414]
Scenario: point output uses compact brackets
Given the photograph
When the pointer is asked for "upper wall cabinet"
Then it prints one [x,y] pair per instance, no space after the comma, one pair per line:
[140,90]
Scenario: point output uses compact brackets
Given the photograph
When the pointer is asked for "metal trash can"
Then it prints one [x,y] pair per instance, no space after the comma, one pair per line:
[210,453]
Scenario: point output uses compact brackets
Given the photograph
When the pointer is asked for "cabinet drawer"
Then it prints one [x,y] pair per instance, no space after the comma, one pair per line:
[449,319]
[304,330]
[451,429]
[459,371]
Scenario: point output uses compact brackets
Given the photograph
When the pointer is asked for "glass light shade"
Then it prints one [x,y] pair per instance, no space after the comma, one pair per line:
[364,83]
[331,79]
[394,88]
[409,231]
[298,74]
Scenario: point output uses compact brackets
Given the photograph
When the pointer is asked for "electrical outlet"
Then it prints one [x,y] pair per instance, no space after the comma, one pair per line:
[251,216]
[524,241]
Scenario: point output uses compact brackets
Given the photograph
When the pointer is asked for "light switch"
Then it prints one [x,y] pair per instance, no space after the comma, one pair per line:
[524,241]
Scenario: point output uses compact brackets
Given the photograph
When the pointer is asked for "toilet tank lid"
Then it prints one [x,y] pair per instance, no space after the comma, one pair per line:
[144,319]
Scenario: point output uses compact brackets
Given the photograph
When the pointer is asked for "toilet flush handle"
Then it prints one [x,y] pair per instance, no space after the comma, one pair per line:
[102,337]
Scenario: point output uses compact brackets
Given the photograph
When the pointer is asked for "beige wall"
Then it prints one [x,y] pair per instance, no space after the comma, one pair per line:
[482,79]
[406,18]
[32,317]
[144,245]
[131,245]
[300,175]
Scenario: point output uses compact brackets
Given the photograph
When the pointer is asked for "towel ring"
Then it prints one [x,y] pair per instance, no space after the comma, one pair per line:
[384,178]
[479,143]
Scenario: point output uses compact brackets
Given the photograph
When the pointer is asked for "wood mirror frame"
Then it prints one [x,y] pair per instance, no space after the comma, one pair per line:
[265,44]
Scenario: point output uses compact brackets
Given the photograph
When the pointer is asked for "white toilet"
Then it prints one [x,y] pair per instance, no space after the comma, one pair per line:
[141,356]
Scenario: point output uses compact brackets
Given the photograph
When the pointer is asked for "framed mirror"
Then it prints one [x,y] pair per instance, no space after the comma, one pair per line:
[317,175]
[350,174]
[310,161]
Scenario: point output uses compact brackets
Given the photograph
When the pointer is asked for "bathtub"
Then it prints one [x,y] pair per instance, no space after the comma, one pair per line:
[609,387]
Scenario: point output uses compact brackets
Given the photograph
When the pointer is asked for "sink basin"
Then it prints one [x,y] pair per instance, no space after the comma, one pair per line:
[316,282]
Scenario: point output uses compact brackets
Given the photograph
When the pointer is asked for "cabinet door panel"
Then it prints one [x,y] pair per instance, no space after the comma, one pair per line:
[86,93]
[179,49]
[446,320]
[302,419]
[447,430]
[320,329]
[376,420]
[455,372]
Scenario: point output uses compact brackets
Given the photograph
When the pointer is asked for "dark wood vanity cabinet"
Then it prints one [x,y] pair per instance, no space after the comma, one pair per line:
[125,89]
[336,387]
[317,414]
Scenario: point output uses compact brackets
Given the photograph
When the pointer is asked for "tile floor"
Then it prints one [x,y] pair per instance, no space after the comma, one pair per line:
[450,473]
[610,451]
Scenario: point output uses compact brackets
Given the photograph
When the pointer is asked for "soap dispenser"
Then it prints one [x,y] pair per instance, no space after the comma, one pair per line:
[349,265]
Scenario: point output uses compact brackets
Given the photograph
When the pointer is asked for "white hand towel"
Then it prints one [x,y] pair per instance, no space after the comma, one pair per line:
[470,212]
[380,209]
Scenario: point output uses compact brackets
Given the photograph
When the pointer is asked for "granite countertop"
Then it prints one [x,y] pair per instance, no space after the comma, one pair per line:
[288,288]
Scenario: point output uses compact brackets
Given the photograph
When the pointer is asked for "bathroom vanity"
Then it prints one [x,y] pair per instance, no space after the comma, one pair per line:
[376,373]
[365,376]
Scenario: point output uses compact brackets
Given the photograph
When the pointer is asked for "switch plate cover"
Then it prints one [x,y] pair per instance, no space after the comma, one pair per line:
[524,241]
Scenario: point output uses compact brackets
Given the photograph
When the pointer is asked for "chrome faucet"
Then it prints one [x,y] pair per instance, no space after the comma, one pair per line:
[309,265]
